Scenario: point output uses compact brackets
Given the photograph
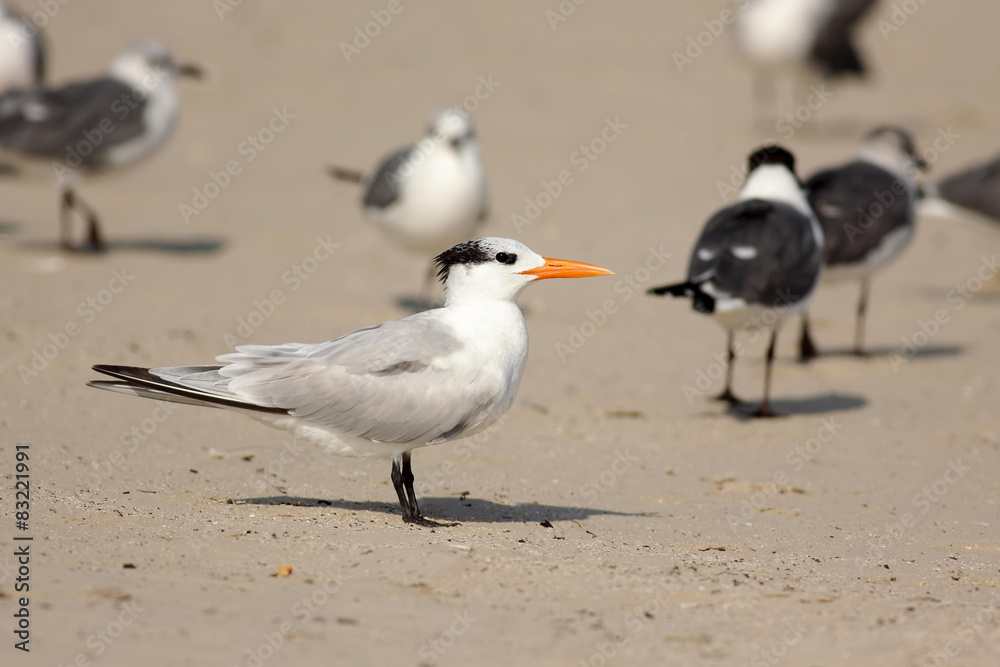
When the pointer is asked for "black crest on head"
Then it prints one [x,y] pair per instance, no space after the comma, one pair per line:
[772,154]
[470,252]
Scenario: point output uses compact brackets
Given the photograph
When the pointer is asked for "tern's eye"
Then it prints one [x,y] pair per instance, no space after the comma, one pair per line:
[506,257]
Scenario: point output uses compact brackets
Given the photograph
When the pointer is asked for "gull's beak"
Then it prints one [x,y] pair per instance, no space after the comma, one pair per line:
[564,268]
[193,71]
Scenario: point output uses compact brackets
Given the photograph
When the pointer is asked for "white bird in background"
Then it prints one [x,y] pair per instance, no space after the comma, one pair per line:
[385,390]
[429,196]
[22,52]
[798,37]
[757,261]
[93,126]
[867,209]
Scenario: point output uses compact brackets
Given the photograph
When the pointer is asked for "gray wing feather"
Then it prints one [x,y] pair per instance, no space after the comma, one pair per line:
[380,383]
[383,190]
[46,122]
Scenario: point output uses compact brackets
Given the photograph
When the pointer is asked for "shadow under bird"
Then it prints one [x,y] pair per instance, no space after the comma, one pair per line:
[429,196]
[975,189]
[801,38]
[22,50]
[91,127]
[385,390]
[867,209]
[756,262]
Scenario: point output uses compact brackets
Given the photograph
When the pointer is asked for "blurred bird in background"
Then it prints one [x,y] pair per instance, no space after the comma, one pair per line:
[802,39]
[429,196]
[756,262]
[975,189]
[867,209]
[91,127]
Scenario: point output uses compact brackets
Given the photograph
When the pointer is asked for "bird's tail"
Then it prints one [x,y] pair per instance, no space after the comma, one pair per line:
[342,174]
[142,382]
[702,301]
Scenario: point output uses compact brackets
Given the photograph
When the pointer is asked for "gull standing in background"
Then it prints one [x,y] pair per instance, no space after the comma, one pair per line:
[22,51]
[757,261]
[92,126]
[798,37]
[867,209]
[385,390]
[429,196]
[974,189]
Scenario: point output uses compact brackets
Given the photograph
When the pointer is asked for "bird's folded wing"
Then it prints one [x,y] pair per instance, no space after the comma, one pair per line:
[49,122]
[389,383]
[384,188]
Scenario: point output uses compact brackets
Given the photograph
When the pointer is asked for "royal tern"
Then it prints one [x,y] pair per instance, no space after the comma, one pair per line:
[429,196]
[92,126]
[799,37]
[757,261]
[385,390]
[22,51]
[867,211]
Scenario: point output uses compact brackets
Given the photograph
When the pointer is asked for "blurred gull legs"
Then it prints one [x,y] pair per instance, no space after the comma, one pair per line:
[800,38]
[91,127]
[385,390]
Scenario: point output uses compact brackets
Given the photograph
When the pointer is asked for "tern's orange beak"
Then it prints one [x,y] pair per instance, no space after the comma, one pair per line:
[564,268]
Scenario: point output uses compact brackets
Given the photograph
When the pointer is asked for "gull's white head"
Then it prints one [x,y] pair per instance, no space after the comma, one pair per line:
[893,149]
[148,64]
[497,269]
[452,126]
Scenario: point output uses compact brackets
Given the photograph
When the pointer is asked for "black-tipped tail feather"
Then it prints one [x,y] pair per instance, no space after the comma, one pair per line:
[141,382]
[701,300]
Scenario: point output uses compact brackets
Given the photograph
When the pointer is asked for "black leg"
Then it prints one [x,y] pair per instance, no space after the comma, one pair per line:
[859,325]
[66,219]
[807,349]
[397,483]
[765,408]
[71,202]
[402,480]
[727,393]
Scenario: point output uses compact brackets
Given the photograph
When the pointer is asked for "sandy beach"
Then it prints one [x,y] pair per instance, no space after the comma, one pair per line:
[615,515]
